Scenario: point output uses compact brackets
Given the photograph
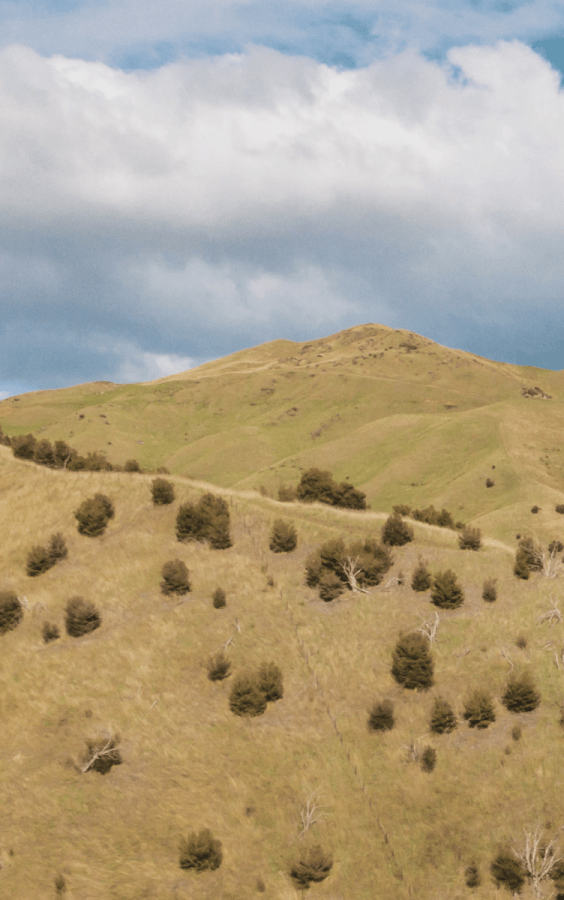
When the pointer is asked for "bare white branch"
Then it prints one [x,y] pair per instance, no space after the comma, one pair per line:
[352,569]
[429,628]
[538,857]
[311,813]
[553,615]
[506,657]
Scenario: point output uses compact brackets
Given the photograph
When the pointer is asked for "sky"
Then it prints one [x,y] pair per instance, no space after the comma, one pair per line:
[181,180]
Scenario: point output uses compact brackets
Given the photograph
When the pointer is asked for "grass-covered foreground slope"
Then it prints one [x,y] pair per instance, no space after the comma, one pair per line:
[394,831]
[403,418]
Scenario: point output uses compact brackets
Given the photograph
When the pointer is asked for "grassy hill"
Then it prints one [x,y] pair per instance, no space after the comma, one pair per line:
[188,763]
[403,418]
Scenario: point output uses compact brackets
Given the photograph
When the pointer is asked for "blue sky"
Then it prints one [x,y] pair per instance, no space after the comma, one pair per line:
[179,181]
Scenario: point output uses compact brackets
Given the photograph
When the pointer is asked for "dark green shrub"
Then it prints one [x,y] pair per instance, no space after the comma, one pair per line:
[560,508]
[218,666]
[60,884]
[535,510]
[94,514]
[396,532]
[472,876]
[489,482]
[317,485]
[432,516]
[176,577]
[287,493]
[489,590]
[81,617]
[162,492]
[269,682]
[443,718]
[421,579]
[521,642]
[330,586]
[50,632]
[38,561]
[372,561]
[206,520]
[102,753]
[412,661]
[402,509]
[57,547]
[44,454]
[218,598]
[381,717]
[446,593]
[479,709]
[521,568]
[521,694]
[528,555]
[470,538]
[246,698]
[131,466]
[312,866]
[508,871]
[428,759]
[11,612]
[283,537]
[23,446]
[200,851]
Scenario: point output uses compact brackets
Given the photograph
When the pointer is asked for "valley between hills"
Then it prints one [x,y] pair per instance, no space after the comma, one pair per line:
[407,422]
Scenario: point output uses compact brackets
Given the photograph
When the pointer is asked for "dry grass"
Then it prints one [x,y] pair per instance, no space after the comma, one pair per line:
[188,763]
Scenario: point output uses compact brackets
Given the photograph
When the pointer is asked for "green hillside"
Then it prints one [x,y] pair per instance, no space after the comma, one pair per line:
[403,418]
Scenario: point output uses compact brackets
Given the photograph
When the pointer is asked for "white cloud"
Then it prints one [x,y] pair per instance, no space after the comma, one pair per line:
[215,203]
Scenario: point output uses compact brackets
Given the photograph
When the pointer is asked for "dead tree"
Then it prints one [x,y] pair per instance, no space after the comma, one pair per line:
[553,615]
[538,857]
[102,754]
[429,629]
[352,570]
[311,814]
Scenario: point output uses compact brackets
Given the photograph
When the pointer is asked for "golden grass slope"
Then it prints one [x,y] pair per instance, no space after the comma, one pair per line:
[394,831]
[403,418]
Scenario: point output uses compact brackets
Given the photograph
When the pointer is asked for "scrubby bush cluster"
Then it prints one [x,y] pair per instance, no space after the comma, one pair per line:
[413,662]
[102,754]
[443,718]
[470,538]
[176,577]
[283,537]
[489,590]
[421,579]
[40,559]
[58,455]
[521,693]
[430,515]
[312,866]
[479,709]
[11,612]
[507,870]
[94,514]
[200,851]
[381,717]
[317,485]
[329,567]
[162,492]
[81,617]
[396,532]
[218,598]
[50,632]
[446,592]
[218,667]
[207,520]
[253,689]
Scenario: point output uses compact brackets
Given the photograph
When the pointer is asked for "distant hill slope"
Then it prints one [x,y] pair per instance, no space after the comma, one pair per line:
[402,417]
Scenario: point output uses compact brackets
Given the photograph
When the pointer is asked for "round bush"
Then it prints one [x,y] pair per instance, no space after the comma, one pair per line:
[38,561]
[246,699]
[218,667]
[470,538]
[132,466]
[200,851]
[428,759]
[94,514]
[283,537]
[443,718]
[479,709]
[313,865]
[50,632]
[269,681]
[330,586]
[11,612]
[421,580]
[446,593]
[472,876]
[521,694]
[218,598]
[162,492]
[381,716]
[57,547]
[507,870]
[412,661]
[489,590]
[396,532]
[176,577]
[81,617]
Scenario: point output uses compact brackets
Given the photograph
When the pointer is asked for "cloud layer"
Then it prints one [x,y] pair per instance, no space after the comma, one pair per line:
[154,218]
